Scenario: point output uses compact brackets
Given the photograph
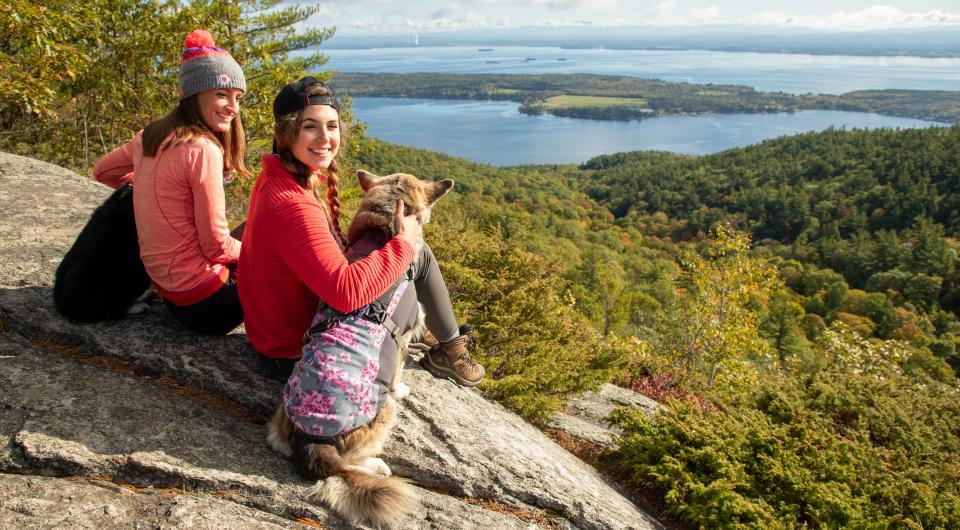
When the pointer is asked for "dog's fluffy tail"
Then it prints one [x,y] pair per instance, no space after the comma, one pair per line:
[360,496]
[355,493]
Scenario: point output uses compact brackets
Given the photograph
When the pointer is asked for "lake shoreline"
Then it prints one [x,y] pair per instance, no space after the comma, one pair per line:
[768,72]
[488,127]
[628,98]
[495,133]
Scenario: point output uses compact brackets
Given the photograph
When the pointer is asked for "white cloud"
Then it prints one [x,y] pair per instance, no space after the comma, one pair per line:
[387,15]
[705,15]
[437,21]
[874,17]
[552,4]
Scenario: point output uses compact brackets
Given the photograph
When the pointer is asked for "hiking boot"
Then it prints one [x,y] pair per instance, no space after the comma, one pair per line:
[428,341]
[452,360]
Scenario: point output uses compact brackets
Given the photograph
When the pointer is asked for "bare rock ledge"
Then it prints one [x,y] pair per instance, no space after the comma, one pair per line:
[103,425]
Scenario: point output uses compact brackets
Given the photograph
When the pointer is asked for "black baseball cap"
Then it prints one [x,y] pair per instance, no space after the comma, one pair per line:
[292,97]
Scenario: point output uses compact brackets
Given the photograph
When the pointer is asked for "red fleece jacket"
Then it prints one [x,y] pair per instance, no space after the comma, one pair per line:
[290,260]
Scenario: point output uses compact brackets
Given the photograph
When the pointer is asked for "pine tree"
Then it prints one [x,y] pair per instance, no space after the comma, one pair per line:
[78,79]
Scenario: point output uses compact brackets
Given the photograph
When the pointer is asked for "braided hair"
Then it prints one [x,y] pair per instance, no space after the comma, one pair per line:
[333,198]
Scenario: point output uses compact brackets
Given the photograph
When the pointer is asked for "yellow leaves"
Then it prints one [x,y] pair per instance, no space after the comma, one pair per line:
[725,241]
[714,328]
[735,374]
[42,48]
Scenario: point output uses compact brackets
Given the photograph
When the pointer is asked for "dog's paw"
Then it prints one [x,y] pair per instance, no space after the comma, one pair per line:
[276,439]
[417,348]
[400,392]
[376,465]
[278,444]
[138,307]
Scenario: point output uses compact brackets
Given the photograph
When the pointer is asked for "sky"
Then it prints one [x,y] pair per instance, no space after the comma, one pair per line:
[397,16]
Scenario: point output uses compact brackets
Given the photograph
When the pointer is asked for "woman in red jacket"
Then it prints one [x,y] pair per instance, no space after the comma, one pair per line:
[177,165]
[292,254]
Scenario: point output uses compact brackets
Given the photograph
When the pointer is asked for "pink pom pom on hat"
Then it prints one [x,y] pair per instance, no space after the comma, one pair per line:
[199,38]
[206,67]
[200,43]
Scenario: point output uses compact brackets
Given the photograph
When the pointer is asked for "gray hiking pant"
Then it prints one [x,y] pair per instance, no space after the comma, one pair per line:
[429,290]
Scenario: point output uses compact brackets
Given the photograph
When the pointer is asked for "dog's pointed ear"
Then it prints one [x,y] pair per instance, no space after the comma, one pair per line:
[439,189]
[367,179]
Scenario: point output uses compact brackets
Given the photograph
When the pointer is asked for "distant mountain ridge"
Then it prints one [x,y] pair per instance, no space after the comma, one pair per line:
[934,42]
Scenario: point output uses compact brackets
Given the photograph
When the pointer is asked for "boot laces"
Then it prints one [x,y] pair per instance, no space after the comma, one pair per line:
[467,359]
[469,346]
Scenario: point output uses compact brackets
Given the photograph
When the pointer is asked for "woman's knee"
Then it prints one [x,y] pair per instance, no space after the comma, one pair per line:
[424,262]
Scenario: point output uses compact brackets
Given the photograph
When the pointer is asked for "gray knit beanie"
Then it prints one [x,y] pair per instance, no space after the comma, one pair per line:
[206,67]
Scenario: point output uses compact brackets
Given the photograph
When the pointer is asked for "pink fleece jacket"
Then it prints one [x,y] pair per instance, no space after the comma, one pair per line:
[291,260]
[179,206]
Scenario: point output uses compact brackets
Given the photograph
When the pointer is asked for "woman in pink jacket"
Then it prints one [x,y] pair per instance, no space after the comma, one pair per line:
[177,166]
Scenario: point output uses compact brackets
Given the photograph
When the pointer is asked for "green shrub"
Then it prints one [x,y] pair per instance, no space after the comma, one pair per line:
[835,450]
[538,350]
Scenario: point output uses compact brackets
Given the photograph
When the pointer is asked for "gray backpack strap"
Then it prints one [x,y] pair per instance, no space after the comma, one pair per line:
[392,327]
[375,311]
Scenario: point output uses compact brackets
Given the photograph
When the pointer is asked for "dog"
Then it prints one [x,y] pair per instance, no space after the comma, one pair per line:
[101,276]
[333,425]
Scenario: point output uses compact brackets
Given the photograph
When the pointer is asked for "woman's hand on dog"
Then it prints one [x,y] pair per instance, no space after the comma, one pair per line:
[407,228]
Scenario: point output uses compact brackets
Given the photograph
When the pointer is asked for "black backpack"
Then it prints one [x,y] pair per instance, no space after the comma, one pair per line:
[102,274]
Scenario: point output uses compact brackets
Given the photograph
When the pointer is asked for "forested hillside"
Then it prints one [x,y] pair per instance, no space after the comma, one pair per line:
[866,214]
[880,210]
[796,298]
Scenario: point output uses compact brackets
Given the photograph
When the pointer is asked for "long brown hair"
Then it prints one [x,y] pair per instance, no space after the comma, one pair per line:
[285,133]
[186,124]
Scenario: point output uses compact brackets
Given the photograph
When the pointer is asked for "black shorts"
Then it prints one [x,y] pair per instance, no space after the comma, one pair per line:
[216,314]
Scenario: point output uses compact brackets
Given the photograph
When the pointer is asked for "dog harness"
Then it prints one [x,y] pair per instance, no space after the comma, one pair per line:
[335,388]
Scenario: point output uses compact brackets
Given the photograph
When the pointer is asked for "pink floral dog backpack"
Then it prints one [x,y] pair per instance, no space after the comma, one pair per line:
[333,388]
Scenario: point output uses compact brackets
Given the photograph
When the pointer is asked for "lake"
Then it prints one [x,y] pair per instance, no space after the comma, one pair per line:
[494,132]
[792,73]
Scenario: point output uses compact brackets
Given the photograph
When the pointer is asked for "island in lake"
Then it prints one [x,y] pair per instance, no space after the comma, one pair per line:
[630,98]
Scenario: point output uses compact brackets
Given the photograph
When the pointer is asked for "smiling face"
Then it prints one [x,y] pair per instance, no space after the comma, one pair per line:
[218,107]
[318,138]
